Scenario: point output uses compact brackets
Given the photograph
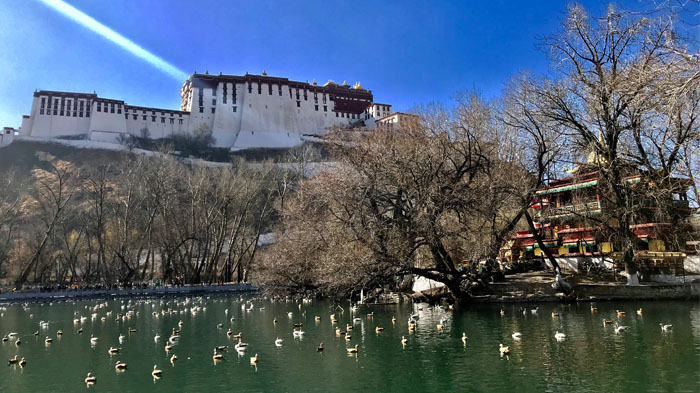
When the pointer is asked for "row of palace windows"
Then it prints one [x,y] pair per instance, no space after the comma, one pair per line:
[153,118]
[63,107]
[111,107]
[347,115]
[153,112]
[292,94]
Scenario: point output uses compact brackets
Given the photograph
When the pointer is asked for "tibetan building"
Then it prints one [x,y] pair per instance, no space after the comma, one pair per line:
[572,217]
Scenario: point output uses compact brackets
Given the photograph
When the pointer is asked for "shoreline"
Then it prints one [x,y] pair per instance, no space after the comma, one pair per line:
[19,296]
[536,287]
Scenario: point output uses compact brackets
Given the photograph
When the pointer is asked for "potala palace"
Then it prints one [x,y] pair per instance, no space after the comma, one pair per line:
[242,112]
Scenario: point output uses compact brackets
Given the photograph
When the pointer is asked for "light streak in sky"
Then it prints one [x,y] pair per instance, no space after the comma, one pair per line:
[88,22]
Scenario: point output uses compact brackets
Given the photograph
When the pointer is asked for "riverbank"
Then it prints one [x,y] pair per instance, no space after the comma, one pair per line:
[128,292]
[537,287]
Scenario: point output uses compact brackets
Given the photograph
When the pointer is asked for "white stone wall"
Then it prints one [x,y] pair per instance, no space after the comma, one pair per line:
[164,125]
[51,124]
[6,138]
[259,117]
[691,264]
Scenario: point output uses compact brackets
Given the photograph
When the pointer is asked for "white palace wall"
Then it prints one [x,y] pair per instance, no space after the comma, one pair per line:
[241,111]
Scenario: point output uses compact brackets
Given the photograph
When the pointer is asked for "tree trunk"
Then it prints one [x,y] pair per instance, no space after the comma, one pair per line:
[540,242]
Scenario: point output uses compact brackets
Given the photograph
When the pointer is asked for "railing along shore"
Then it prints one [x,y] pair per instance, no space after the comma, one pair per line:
[79,293]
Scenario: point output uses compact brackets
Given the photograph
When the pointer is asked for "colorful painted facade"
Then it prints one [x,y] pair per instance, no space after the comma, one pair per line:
[574,220]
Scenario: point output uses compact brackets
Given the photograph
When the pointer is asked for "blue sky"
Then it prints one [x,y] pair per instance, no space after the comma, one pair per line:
[406,52]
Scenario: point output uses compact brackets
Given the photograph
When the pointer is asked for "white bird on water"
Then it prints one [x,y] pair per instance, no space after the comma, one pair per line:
[559,336]
[620,329]
[517,336]
[278,342]
[666,328]
[93,339]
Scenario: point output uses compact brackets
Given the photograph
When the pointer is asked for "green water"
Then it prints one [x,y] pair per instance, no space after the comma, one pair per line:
[592,358]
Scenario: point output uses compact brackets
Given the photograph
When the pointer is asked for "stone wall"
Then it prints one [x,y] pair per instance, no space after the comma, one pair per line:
[691,264]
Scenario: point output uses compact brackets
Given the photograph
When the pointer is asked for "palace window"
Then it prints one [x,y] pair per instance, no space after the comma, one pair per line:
[162,120]
[179,121]
[298,104]
[336,114]
[111,108]
[316,107]
[259,88]
[144,117]
[213,101]
[234,108]
[213,110]
[306,97]
[250,87]
[119,109]
[279,89]
[41,111]
[43,102]
[172,121]
[225,92]
[201,109]
[75,113]
[134,116]
[325,108]
[153,118]
[99,107]
[269,89]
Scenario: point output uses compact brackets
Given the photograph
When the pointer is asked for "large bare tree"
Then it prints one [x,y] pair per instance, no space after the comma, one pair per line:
[626,91]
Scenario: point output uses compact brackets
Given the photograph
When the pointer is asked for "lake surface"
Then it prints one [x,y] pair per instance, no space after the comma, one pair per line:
[592,358]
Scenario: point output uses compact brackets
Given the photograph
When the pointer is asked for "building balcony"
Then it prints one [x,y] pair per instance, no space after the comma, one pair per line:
[581,210]
[653,230]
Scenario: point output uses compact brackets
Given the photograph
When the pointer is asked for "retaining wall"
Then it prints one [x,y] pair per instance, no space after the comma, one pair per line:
[134,292]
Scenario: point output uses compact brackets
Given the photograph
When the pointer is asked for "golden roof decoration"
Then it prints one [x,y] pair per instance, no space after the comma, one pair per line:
[593,157]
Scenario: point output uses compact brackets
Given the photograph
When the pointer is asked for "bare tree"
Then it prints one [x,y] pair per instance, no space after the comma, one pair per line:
[430,199]
[54,188]
[623,94]
[10,200]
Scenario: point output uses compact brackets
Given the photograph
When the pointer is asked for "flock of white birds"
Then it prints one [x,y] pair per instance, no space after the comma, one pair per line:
[194,306]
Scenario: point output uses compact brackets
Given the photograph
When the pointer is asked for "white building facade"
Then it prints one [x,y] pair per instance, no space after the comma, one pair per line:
[249,111]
